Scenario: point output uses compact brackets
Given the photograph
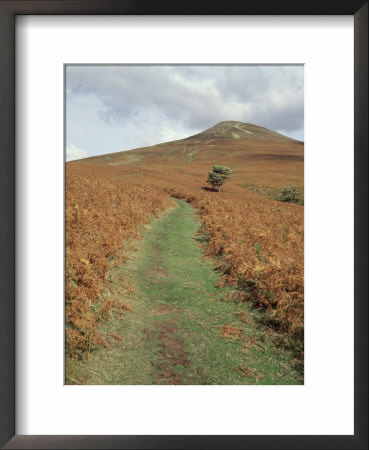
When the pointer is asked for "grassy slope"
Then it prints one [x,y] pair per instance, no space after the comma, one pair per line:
[182,330]
[264,158]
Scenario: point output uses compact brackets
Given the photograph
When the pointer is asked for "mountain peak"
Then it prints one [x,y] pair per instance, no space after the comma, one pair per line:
[234,129]
[227,124]
[229,141]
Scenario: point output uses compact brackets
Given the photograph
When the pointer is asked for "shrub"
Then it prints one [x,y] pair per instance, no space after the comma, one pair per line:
[291,194]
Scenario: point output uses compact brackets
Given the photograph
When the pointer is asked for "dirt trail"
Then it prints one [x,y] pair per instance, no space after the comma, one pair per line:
[182,330]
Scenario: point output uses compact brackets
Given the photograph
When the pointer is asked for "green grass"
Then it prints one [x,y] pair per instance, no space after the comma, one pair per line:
[290,194]
[174,335]
[190,155]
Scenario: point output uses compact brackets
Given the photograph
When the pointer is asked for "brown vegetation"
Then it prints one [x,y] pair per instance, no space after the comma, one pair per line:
[258,242]
[100,214]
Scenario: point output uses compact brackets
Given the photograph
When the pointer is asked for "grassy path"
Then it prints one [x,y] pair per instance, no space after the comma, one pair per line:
[182,331]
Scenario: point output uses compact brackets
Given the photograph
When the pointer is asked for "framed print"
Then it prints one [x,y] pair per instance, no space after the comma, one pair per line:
[238,115]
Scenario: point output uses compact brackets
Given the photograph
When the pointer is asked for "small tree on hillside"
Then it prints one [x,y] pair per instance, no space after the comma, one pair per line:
[218,176]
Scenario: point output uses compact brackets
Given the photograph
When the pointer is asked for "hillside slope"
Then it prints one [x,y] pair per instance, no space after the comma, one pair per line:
[257,241]
[255,154]
[230,141]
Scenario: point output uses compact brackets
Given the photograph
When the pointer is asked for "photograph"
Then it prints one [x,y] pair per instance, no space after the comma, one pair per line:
[184,224]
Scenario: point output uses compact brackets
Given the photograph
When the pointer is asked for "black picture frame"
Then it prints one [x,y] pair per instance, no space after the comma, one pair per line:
[8,11]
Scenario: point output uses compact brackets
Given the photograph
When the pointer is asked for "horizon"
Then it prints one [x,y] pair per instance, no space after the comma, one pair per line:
[111,109]
[186,137]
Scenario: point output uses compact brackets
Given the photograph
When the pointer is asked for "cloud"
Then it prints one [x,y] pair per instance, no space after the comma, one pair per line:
[132,106]
[74,152]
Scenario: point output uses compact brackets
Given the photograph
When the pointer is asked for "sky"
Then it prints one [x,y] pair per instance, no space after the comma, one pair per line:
[115,108]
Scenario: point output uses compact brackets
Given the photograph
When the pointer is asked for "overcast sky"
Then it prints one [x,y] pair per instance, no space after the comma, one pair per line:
[115,108]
